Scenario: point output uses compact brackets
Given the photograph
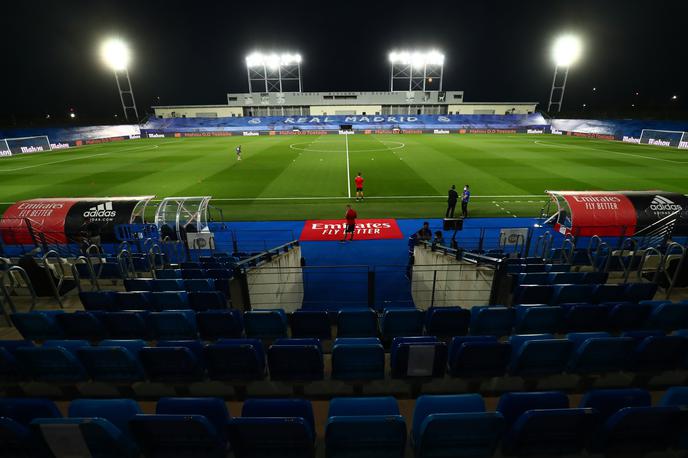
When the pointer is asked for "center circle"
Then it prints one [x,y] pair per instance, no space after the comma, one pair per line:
[296,146]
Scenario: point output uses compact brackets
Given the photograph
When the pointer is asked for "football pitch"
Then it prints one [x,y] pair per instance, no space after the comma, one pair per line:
[304,176]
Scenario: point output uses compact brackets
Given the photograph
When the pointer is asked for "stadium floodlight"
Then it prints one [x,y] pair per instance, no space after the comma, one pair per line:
[116,55]
[566,50]
[272,70]
[416,69]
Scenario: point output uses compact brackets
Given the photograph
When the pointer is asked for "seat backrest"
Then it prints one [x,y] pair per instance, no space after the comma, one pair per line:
[602,354]
[168,273]
[167,284]
[307,323]
[170,300]
[290,408]
[270,436]
[532,319]
[533,278]
[176,363]
[55,364]
[447,321]
[609,293]
[214,409]
[436,404]
[539,354]
[401,322]
[675,396]
[235,359]
[199,284]
[177,435]
[265,324]
[351,407]
[207,300]
[220,324]
[495,321]
[572,293]
[82,325]
[127,325]
[37,325]
[133,300]
[96,437]
[639,430]
[177,324]
[418,357]
[358,359]
[585,317]
[139,284]
[116,411]
[609,401]
[513,405]
[296,360]
[479,358]
[668,316]
[532,294]
[637,292]
[628,316]
[110,363]
[24,410]
[357,323]
[363,436]
[98,300]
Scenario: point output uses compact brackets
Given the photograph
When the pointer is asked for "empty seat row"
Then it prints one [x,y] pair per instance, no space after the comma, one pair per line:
[195,273]
[160,285]
[522,267]
[560,278]
[591,293]
[523,424]
[353,359]
[112,301]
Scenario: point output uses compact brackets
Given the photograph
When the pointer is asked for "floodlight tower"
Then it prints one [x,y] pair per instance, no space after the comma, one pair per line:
[566,51]
[271,72]
[416,70]
[115,54]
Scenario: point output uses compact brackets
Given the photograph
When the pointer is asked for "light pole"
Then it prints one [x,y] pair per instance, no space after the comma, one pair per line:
[565,52]
[273,71]
[414,70]
[115,54]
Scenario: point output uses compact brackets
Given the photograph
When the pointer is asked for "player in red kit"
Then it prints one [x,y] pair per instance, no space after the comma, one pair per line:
[350,222]
[359,187]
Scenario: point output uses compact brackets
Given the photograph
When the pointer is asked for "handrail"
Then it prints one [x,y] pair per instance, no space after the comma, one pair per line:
[263,254]
[55,286]
[599,251]
[123,246]
[682,259]
[594,238]
[95,285]
[567,254]
[632,250]
[126,264]
[153,253]
[27,281]
[643,260]
[543,242]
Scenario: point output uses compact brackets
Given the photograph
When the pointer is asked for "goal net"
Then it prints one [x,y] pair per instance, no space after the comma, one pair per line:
[23,145]
[671,138]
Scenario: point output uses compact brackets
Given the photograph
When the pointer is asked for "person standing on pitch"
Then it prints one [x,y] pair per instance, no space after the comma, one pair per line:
[452,198]
[359,187]
[464,200]
[350,217]
[238,152]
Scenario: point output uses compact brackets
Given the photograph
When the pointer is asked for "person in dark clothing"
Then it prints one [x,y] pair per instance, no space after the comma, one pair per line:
[439,238]
[424,233]
[464,200]
[452,198]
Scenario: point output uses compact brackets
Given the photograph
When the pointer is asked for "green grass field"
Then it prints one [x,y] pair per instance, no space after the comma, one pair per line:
[299,177]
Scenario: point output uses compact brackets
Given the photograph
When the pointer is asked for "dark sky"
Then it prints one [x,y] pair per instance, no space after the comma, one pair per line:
[191,52]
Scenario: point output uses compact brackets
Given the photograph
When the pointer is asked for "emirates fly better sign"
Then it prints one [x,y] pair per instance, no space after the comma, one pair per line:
[366,229]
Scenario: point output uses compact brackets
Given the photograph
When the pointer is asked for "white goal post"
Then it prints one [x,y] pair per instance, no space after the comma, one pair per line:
[669,138]
[24,145]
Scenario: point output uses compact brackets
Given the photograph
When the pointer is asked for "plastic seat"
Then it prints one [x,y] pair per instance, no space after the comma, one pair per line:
[113,361]
[599,353]
[539,354]
[533,319]
[296,360]
[82,325]
[168,273]
[358,359]
[572,293]
[478,356]
[138,284]
[310,324]
[52,363]
[235,359]
[595,278]
[9,368]
[167,284]
[533,278]
[177,436]
[636,292]
[98,300]
[513,405]
[220,324]
[190,274]
[659,353]
[24,410]
[557,267]
[170,300]
[16,438]
[170,325]
[265,324]
[609,401]
[446,322]
[418,357]
[173,362]
[133,300]
[199,284]
[213,409]
[532,294]
[628,316]
[127,325]
[668,316]
[273,428]
[609,293]
[365,427]
[455,425]
[207,300]
[357,323]
[37,325]
[585,317]
[675,396]
[492,320]
[573,278]
[401,322]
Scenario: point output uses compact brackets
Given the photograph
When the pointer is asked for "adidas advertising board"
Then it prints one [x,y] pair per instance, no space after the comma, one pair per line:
[98,215]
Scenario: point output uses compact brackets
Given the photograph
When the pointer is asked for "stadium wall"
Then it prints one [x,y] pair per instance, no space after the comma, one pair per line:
[626,130]
[325,110]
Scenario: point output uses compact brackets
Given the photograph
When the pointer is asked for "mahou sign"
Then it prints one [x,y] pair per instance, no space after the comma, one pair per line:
[366,229]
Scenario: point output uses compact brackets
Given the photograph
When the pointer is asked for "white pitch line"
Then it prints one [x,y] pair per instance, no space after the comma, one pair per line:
[348,172]
[538,142]
[344,197]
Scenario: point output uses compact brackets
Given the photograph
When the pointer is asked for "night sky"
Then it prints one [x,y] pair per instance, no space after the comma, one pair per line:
[192,52]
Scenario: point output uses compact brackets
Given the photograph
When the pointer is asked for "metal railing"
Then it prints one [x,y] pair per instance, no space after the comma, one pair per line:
[12,281]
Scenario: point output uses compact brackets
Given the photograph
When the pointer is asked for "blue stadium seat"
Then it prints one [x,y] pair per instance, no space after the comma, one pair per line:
[557,267]
[446,322]
[365,427]
[313,324]
[98,300]
[116,411]
[492,320]
[207,300]
[52,362]
[628,316]
[9,368]
[659,353]
[532,294]
[296,360]
[170,300]
[138,284]
[455,425]
[636,292]
[539,354]
[608,294]
[219,273]
[668,316]
[24,410]
[609,401]
[177,435]
[599,353]
[265,324]
[199,284]
[190,274]
[533,278]
[235,359]
[168,273]
[167,284]
[273,428]
[37,325]
[596,278]
[133,300]
[675,396]
[513,405]
[585,317]
[82,325]
[401,322]
[533,319]
[418,357]
[640,335]
[127,325]
[113,361]
[16,438]
[564,294]
[561,278]
[358,359]
[220,324]
[213,409]
[357,323]
[477,356]
[175,361]
[173,324]
[190,265]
